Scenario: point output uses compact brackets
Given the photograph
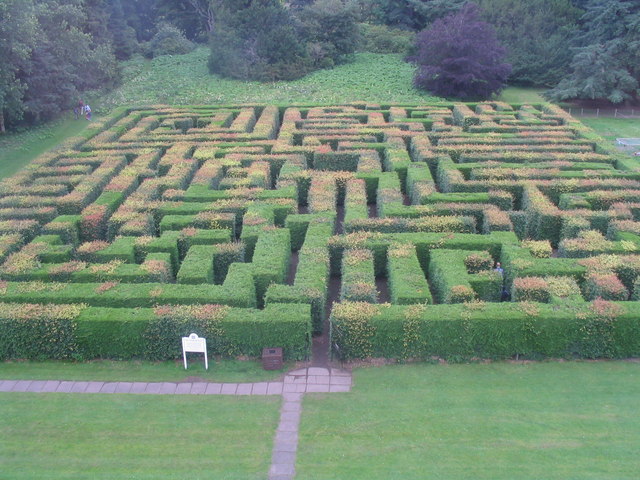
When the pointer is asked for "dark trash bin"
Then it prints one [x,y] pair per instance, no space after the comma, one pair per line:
[272,358]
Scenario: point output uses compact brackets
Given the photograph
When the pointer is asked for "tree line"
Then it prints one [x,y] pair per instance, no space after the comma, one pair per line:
[53,50]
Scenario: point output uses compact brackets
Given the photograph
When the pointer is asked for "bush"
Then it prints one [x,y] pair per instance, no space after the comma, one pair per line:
[271,260]
[258,42]
[530,289]
[384,39]
[312,274]
[358,279]
[330,30]
[459,56]
[168,40]
[606,287]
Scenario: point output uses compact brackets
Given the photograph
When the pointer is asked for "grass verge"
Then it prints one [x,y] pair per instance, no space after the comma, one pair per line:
[61,436]
[498,421]
[612,128]
[139,371]
[18,149]
[521,95]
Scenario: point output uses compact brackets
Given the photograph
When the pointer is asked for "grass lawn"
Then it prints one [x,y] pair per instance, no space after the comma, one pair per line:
[185,79]
[18,149]
[521,95]
[139,371]
[549,421]
[612,128]
[62,436]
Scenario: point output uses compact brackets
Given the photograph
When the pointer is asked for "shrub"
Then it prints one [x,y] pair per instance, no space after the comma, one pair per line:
[168,40]
[530,289]
[154,333]
[384,39]
[258,42]
[606,287]
[539,248]
[271,260]
[478,261]
[459,56]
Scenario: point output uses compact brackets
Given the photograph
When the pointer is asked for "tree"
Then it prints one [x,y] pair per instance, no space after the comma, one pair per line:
[63,60]
[536,34]
[597,73]
[408,14]
[329,27]
[606,65]
[459,56]
[258,41]
[168,40]
[125,42]
[17,31]
[196,18]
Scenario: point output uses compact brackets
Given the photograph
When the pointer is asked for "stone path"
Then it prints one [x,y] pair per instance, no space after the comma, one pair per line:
[292,389]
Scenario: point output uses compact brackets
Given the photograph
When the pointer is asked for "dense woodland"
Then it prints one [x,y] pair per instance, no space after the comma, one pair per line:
[53,50]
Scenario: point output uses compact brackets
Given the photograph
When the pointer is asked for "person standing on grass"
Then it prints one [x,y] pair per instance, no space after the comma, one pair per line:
[87,111]
[78,109]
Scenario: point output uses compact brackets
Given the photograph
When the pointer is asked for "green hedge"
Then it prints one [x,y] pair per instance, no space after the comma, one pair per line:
[312,274]
[39,332]
[80,332]
[407,283]
[358,277]
[299,223]
[197,266]
[336,161]
[238,290]
[492,330]
[271,260]
[424,242]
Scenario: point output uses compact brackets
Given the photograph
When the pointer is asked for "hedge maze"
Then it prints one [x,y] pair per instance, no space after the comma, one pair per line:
[232,221]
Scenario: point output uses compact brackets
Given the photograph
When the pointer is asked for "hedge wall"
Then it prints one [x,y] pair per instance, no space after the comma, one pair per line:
[486,330]
[76,331]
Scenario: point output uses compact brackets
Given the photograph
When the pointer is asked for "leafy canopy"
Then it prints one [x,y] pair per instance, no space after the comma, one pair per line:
[607,63]
[459,56]
[537,35]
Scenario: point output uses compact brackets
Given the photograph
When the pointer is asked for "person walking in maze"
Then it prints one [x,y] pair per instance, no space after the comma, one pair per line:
[504,294]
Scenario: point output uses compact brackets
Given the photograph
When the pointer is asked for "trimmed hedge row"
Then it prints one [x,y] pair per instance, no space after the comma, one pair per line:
[238,290]
[424,242]
[407,283]
[358,278]
[486,330]
[452,283]
[312,274]
[79,332]
[271,260]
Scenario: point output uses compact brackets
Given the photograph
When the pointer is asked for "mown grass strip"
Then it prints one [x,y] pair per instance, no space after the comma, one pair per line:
[497,421]
[61,436]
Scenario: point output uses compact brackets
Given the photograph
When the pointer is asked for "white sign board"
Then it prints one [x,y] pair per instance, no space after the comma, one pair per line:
[193,343]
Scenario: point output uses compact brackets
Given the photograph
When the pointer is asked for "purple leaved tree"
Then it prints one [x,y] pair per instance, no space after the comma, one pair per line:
[459,56]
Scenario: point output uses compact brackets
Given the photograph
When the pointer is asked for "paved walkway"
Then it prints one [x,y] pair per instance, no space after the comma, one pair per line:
[292,389]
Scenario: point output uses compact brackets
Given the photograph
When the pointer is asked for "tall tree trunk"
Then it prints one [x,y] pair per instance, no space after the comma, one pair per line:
[206,12]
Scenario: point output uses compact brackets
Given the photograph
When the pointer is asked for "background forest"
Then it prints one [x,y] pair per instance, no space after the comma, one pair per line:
[54,50]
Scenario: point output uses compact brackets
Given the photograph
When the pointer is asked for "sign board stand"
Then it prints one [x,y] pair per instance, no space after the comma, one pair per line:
[194,343]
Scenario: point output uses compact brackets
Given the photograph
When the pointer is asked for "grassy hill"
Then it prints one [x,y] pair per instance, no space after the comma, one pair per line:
[184,79]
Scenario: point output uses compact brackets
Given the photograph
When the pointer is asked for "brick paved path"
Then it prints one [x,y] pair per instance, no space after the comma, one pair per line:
[292,389]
